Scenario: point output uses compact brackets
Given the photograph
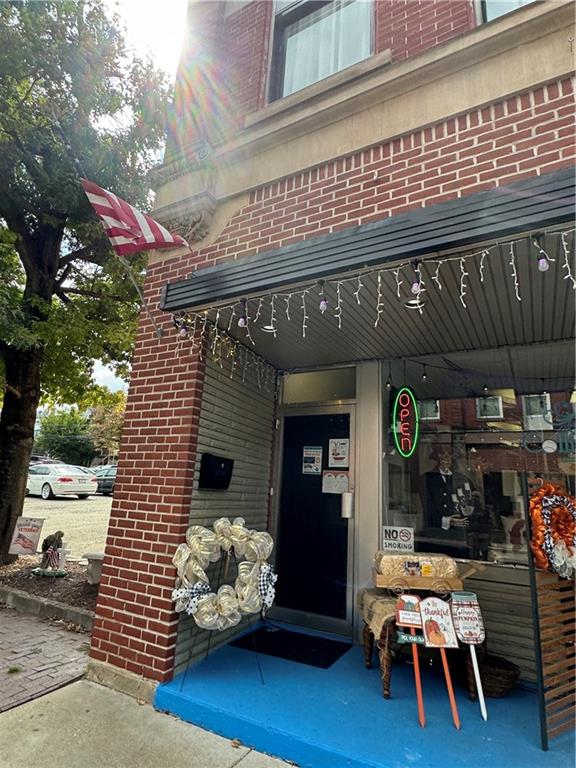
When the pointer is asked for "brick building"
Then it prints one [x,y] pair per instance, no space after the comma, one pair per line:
[382,194]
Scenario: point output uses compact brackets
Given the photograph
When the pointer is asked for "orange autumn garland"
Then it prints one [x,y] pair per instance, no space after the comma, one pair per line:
[553,516]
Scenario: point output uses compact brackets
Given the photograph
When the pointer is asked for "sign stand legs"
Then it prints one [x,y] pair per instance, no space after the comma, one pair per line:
[453,706]
[418,682]
[478,680]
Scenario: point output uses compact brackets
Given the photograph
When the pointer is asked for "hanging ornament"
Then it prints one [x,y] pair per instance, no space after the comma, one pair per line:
[243,319]
[543,259]
[323,305]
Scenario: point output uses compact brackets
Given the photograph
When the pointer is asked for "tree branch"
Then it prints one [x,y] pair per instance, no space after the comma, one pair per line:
[97,253]
[61,293]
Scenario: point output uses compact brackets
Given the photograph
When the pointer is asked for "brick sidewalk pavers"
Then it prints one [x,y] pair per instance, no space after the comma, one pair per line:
[42,655]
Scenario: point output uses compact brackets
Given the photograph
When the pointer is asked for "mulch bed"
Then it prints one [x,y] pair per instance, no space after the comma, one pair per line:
[72,589]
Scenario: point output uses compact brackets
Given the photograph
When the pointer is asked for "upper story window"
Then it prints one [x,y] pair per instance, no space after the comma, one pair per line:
[429,410]
[491,9]
[537,411]
[313,40]
[489,408]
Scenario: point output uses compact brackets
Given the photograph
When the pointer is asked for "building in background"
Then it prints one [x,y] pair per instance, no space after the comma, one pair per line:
[377,195]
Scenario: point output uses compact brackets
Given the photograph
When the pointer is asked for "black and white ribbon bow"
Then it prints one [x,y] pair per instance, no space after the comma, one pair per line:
[192,593]
[266,581]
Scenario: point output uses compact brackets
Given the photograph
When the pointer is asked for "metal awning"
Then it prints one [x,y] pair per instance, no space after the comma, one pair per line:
[527,206]
[503,306]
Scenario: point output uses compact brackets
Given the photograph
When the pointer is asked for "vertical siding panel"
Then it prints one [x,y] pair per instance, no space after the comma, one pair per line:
[236,422]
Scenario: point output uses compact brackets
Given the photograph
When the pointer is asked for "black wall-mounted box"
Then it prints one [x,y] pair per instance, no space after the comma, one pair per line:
[215,472]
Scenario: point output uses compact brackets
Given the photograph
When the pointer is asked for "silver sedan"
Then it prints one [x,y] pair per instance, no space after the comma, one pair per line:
[49,480]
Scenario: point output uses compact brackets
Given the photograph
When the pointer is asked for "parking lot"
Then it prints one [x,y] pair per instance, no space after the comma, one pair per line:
[84,522]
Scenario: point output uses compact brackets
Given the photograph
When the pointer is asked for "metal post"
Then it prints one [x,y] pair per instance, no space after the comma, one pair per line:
[535,620]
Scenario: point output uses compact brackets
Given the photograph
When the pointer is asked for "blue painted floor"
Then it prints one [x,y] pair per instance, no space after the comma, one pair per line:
[337,718]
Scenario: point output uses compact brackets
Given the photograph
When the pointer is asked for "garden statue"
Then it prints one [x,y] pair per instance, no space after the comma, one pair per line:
[50,547]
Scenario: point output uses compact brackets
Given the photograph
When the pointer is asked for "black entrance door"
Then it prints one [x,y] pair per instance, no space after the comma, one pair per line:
[312,555]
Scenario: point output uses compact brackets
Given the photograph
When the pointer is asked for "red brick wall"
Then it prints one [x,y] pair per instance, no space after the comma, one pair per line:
[410,27]
[527,134]
[245,40]
[136,625]
[407,27]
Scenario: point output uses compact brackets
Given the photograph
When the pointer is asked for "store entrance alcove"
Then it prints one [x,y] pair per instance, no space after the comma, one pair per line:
[337,717]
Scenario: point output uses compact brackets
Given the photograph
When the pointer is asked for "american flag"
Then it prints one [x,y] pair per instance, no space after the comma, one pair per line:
[128,229]
[52,557]
[24,542]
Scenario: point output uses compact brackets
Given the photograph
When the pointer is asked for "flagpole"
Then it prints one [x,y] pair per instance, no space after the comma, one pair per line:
[81,171]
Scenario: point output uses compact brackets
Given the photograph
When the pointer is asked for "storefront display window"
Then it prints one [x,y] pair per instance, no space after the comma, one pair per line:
[481,435]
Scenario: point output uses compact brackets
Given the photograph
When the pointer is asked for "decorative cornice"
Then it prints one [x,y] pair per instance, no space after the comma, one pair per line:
[192,219]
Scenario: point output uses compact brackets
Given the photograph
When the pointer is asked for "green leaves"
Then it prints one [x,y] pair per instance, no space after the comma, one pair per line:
[69,90]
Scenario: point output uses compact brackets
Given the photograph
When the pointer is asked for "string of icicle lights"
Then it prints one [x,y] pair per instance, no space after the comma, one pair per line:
[214,324]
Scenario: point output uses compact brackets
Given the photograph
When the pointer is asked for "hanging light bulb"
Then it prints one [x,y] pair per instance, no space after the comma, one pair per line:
[388,384]
[183,332]
[416,286]
[485,388]
[243,319]
[424,376]
[323,305]
[543,259]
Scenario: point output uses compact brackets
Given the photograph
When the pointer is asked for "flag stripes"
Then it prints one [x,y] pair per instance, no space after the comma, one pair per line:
[128,229]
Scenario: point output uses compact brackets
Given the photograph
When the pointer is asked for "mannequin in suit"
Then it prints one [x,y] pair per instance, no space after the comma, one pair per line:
[441,484]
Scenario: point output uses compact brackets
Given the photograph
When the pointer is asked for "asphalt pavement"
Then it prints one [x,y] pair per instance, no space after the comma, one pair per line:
[84,523]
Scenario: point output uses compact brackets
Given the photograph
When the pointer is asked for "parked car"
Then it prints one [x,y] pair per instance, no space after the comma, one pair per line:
[49,480]
[86,470]
[106,477]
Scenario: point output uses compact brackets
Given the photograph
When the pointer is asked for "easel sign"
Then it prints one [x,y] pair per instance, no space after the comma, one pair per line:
[408,615]
[439,632]
[408,611]
[470,630]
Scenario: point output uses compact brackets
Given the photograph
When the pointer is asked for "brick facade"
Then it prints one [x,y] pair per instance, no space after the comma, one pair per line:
[136,626]
[410,27]
[528,134]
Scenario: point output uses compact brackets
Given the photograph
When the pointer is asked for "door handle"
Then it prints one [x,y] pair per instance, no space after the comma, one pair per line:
[347,505]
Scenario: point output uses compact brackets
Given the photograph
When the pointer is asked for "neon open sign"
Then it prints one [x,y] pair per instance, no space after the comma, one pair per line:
[406,421]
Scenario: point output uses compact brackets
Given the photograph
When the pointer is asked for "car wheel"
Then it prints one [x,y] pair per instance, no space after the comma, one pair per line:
[46,492]
[82,496]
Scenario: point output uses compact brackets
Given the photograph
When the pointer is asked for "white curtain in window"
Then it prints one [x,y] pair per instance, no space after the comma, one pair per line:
[326,41]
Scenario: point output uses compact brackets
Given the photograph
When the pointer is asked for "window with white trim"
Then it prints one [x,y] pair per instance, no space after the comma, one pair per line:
[537,411]
[489,408]
[313,40]
[429,410]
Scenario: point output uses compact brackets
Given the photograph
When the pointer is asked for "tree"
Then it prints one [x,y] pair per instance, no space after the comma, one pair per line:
[68,89]
[106,418]
[65,434]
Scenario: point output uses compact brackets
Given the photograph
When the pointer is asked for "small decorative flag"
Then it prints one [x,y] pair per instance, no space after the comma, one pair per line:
[128,229]
[52,556]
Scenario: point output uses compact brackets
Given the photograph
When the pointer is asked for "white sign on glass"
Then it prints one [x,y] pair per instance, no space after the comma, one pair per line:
[312,460]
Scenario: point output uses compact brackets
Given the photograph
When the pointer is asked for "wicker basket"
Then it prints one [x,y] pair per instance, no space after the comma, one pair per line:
[498,676]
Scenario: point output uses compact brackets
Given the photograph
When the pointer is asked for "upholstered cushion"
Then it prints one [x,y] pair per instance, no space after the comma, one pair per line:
[415,564]
[376,608]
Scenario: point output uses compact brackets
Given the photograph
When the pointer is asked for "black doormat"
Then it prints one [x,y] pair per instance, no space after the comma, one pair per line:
[293,646]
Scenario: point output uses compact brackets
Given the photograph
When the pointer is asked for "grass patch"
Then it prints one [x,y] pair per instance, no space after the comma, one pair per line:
[14,670]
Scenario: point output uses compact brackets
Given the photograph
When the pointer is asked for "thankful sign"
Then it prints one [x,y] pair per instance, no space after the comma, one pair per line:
[439,631]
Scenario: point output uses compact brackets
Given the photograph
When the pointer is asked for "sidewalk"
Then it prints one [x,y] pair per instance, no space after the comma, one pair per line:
[37,656]
[85,724]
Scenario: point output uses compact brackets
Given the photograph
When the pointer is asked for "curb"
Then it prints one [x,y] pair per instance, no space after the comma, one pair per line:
[46,609]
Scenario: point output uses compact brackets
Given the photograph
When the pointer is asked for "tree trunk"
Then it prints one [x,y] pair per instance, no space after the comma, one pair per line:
[21,398]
